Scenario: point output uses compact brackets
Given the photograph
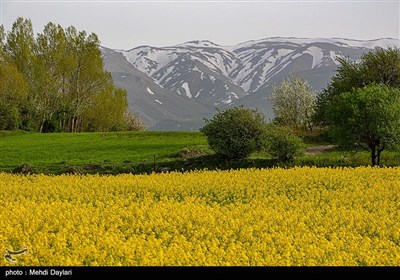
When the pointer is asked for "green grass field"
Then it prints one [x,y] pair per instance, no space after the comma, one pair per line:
[57,151]
[133,152]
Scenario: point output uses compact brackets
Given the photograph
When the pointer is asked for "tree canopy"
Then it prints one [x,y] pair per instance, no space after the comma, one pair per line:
[381,66]
[367,118]
[235,133]
[62,82]
[293,102]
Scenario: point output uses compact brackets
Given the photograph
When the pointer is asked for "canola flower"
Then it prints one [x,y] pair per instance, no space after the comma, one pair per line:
[299,217]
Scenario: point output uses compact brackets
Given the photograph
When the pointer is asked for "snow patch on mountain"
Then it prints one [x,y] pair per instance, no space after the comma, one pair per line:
[186,88]
[198,93]
[369,44]
[317,55]
[149,91]
[199,43]
[333,55]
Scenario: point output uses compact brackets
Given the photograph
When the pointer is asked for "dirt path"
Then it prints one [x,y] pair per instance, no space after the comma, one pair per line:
[318,149]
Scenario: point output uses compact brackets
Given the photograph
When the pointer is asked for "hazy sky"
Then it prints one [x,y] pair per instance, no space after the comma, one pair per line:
[127,24]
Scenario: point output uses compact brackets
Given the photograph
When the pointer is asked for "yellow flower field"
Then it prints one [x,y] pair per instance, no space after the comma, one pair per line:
[300,216]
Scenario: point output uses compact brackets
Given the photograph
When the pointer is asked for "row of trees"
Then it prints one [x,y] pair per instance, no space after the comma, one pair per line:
[360,107]
[56,81]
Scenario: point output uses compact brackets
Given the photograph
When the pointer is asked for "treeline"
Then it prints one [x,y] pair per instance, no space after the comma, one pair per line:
[359,109]
[55,81]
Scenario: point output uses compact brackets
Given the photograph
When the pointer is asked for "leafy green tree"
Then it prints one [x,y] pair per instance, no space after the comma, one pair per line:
[88,77]
[235,133]
[115,101]
[50,51]
[381,66]
[293,102]
[13,86]
[18,51]
[367,118]
[13,95]
[19,46]
[9,117]
[57,80]
[282,144]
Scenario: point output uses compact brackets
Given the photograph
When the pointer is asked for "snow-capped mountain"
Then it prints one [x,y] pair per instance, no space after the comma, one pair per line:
[151,102]
[197,69]
[211,75]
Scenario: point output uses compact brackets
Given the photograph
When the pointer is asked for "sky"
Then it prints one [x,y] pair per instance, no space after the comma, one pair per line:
[125,24]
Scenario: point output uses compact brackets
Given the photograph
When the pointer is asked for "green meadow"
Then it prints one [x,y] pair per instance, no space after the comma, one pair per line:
[145,152]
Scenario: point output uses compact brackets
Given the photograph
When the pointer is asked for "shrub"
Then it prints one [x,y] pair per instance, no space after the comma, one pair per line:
[9,118]
[281,144]
[235,133]
[134,122]
[50,125]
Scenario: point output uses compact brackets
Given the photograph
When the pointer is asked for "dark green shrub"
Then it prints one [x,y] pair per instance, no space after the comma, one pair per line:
[235,133]
[9,118]
[50,126]
[282,144]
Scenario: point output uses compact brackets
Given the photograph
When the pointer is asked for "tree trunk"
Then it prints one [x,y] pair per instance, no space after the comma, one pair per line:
[41,127]
[373,156]
[378,162]
[72,124]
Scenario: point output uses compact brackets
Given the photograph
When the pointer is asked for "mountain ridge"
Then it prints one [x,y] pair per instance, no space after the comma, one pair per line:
[204,75]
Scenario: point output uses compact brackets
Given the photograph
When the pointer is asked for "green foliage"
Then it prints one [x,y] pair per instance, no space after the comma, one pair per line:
[19,46]
[116,103]
[9,117]
[13,92]
[282,144]
[66,87]
[235,133]
[2,43]
[368,118]
[381,66]
[293,102]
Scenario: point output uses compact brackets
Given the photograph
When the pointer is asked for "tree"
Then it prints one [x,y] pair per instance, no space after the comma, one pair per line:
[368,118]
[115,100]
[18,51]
[13,95]
[381,66]
[19,46]
[293,102]
[282,144]
[2,43]
[88,76]
[61,78]
[9,118]
[134,122]
[235,133]
[50,49]
[13,86]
